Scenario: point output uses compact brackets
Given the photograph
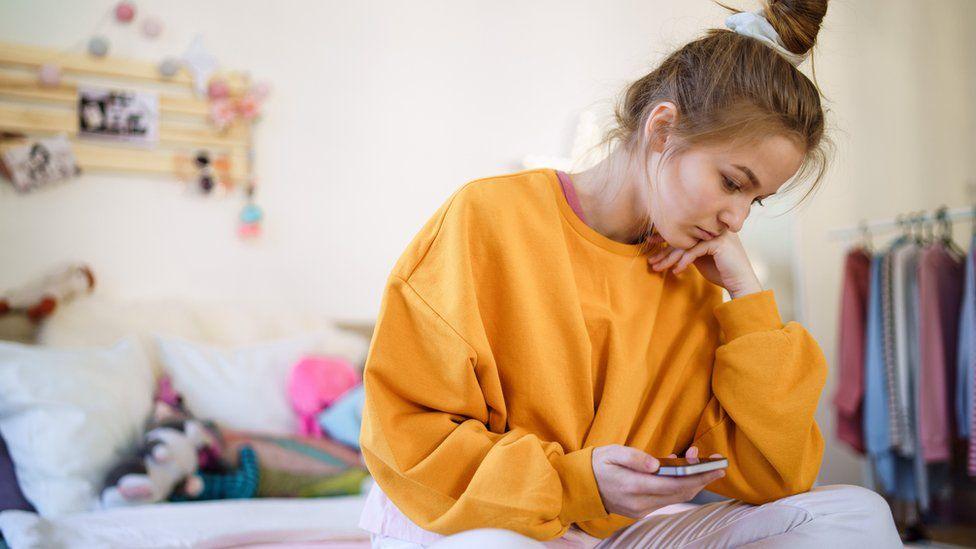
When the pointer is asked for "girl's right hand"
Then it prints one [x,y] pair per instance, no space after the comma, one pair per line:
[627,483]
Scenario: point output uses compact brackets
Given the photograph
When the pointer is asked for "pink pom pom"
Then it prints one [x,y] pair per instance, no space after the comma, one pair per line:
[218,89]
[249,230]
[124,12]
[248,107]
[222,113]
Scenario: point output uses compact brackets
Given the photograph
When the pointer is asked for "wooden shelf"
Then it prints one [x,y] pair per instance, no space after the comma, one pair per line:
[32,109]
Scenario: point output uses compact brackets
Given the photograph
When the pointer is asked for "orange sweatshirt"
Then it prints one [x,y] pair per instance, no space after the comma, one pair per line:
[512,339]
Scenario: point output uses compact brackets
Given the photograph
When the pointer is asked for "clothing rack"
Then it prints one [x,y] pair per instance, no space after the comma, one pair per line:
[880,225]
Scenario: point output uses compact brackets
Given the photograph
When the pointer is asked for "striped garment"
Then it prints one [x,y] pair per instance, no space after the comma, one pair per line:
[888,333]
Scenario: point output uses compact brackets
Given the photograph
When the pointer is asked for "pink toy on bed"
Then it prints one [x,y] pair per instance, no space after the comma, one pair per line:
[316,382]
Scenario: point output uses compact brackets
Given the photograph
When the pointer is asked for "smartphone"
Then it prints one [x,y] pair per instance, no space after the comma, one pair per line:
[681,467]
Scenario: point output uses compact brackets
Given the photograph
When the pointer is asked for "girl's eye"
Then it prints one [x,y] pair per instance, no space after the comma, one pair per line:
[732,186]
[729,184]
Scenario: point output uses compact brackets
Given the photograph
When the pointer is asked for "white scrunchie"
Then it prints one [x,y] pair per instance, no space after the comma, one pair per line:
[754,24]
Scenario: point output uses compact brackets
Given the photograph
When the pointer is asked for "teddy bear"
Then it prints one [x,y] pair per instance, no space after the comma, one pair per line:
[166,463]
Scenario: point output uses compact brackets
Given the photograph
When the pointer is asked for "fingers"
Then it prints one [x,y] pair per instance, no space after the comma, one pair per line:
[691,254]
[675,486]
[634,459]
[659,254]
[692,455]
[670,259]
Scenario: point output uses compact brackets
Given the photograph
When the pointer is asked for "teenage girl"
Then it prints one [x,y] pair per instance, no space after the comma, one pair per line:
[547,334]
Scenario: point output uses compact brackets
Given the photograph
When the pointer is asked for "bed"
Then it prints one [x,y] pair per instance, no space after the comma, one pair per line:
[96,322]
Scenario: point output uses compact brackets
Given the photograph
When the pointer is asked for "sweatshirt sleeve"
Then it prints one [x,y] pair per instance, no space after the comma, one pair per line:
[766,383]
[435,445]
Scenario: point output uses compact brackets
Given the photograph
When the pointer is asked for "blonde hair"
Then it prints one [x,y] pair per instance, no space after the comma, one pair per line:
[732,89]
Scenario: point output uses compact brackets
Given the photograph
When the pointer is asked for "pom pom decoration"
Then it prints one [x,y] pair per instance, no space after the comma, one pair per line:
[248,107]
[98,46]
[251,215]
[218,89]
[49,75]
[124,12]
[169,67]
[222,113]
[152,28]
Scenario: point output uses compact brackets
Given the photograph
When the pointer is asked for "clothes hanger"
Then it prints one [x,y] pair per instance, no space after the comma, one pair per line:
[916,227]
[942,218]
[928,229]
[865,243]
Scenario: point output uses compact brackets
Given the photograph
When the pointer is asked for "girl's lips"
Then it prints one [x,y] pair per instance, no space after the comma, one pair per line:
[703,234]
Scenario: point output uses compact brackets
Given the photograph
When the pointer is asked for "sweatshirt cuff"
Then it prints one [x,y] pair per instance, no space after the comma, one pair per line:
[744,315]
[581,496]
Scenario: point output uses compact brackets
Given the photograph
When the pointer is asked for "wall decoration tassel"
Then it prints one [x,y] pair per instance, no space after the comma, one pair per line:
[250,226]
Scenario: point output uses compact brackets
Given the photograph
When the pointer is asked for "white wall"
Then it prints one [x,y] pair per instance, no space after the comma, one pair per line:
[380,109]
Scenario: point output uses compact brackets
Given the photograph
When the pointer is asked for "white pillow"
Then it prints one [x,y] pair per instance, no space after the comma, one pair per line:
[247,387]
[69,415]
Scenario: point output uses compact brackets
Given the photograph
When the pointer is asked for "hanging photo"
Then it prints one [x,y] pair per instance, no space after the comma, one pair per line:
[38,162]
[119,115]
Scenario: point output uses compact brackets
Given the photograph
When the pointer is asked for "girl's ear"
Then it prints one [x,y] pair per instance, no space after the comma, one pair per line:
[659,124]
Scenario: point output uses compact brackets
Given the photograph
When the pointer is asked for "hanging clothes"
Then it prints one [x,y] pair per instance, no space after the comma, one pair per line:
[849,396]
[940,286]
[904,264]
[876,428]
[893,473]
[971,469]
[966,355]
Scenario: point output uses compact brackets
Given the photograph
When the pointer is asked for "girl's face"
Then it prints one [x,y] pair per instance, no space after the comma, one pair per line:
[706,191]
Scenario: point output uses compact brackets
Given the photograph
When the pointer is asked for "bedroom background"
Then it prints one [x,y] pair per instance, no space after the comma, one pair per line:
[380,109]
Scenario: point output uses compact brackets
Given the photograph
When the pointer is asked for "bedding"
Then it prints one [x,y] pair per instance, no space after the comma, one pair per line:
[324,522]
[91,330]
[68,415]
[246,387]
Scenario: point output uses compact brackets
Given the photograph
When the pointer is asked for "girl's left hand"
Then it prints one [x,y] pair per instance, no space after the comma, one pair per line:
[721,260]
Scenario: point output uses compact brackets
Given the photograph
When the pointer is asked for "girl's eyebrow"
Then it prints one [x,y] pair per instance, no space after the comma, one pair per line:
[750,175]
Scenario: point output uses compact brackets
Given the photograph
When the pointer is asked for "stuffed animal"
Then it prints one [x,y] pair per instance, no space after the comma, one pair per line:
[315,383]
[166,463]
[169,406]
[239,483]
[38,299]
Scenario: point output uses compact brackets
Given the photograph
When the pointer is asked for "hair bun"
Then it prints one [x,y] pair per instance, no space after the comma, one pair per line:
[796,21]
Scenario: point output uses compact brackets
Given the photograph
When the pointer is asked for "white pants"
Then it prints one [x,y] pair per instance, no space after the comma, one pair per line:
[834,517]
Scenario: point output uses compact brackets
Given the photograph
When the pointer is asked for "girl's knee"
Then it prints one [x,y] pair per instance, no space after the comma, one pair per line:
[855,502]
[486,537]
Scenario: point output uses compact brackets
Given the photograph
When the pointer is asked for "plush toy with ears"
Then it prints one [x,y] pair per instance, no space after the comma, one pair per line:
[38,299]
[166,463]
